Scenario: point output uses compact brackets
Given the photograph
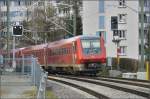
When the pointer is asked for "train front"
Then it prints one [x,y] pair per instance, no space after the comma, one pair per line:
[92,54]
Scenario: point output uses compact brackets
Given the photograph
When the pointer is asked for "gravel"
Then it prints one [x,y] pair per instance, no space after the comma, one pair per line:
[62,91]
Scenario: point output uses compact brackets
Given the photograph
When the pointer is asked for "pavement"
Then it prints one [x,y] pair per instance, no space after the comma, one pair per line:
[14,86]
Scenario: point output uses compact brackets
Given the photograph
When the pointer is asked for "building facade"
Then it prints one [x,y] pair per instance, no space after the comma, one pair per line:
[17,10]
[97,16]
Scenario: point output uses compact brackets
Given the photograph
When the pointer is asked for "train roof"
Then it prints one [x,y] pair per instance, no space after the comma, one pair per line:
[69,40]
[56,43]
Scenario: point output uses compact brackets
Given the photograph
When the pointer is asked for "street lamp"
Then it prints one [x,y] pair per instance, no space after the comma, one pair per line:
[116,40]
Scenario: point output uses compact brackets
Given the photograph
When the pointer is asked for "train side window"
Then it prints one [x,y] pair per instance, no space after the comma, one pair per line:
[68,50]
[60,51]
[48,52]
[35,53]
[56,51]
[39,53]
[52,52]
[63,51]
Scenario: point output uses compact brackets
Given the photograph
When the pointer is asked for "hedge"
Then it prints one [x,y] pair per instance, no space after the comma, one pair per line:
[126,64]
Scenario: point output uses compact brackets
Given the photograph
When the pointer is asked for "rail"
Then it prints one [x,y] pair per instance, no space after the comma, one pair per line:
[115,85]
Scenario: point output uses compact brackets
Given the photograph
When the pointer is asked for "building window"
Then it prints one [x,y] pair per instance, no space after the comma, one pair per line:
[19,3]
[3,3]
[123,50]
[101,6]
[3,14]
[122,34]
[122,3]
[101,22]
[122,18]
[27,2]
[40,3]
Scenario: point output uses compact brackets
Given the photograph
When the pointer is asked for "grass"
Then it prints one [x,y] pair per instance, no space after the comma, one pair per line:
[31,93]
[50,95]
[104,72]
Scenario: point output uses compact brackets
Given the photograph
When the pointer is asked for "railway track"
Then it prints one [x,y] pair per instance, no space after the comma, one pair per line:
[141,83]
[91,92]
[139,88]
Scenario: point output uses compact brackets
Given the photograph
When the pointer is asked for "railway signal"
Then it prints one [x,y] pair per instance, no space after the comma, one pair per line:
[114,23]
[17,30]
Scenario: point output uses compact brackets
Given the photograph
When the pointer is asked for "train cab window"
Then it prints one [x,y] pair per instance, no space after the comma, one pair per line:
[91,46]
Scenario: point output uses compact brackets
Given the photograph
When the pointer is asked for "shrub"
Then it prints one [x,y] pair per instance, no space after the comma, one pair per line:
[126,64]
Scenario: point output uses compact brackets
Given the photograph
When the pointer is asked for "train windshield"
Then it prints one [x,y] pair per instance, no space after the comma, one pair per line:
[91,46]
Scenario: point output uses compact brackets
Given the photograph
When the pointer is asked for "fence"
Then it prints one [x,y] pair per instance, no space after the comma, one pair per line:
[22,78]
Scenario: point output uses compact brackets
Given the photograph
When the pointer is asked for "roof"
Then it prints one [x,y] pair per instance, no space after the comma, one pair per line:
[56,43]
[69,40]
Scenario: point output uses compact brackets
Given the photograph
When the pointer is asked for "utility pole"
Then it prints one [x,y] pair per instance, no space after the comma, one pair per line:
[141,67]
[7,2]
[75,17]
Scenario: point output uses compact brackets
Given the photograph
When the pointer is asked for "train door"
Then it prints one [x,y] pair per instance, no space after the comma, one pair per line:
[74,52]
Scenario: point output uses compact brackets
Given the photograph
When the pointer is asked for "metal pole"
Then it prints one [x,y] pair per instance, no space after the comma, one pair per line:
[75,18]
[23,64]
[141,67]
[147,71]
[7,2]
[118,58]
[14,61]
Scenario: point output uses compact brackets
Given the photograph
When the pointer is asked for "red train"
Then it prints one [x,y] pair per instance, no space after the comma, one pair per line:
[80,54]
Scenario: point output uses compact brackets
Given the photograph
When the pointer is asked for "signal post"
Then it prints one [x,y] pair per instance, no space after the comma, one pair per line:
[17,31]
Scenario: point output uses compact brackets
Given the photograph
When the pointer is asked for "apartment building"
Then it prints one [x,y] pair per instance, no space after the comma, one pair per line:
[17,10]
[97,16]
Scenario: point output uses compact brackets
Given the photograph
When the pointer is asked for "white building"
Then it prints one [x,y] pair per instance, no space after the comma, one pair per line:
[97,19]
